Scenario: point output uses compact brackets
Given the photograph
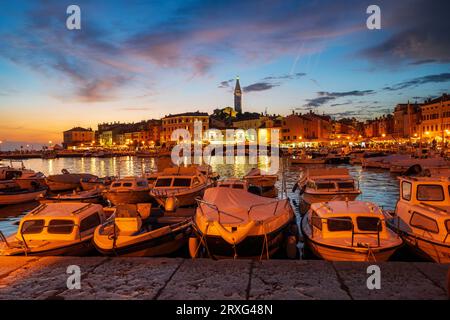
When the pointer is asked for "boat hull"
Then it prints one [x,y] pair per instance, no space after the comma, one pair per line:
[252,247]
[62,186]
[310,198]
[128,197]
[145,245]
[82,248]
[425,248]
[184,199]
[11,198]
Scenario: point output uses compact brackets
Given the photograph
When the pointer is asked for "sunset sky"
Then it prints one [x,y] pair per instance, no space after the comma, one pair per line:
[136,60]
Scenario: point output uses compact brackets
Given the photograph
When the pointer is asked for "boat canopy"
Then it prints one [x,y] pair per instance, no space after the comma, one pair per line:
[239,206]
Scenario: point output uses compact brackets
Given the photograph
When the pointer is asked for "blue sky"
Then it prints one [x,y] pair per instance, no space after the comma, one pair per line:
[135,60]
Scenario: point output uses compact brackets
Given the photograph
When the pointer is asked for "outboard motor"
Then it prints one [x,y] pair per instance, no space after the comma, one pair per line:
[171,204]
[412,171]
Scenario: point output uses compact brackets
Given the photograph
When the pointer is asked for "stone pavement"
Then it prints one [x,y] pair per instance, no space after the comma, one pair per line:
[182,279]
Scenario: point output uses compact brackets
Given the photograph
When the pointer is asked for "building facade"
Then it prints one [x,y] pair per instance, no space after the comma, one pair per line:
[186,121]
[435,118]
[77,137]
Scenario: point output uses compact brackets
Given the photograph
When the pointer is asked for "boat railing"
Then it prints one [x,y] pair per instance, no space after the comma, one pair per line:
[3,239]
[269,203]
[377,233]
[216,208]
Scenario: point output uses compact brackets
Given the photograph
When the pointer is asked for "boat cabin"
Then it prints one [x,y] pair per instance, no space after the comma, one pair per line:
[347,219]
[180,177]
[129,183]
[424,206]
[60,222]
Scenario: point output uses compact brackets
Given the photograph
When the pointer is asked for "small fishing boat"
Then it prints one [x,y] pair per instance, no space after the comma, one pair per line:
[179,186]
[257,178]
[235,223]
[264,182]
[307,160]
[89,196]
[66,180]
[89,183]
[55,229]
[18,195]
[23,177]
[128,190]
[401,166]
[326,184]
[349,231]
[132,231]
[422,216]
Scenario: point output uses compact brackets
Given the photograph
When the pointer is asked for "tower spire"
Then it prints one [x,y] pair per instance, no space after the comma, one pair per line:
[237,96]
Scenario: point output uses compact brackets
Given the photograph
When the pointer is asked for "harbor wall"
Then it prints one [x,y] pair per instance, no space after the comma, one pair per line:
[181,279]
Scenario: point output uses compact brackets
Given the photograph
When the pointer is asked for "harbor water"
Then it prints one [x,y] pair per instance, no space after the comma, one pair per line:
[378,186]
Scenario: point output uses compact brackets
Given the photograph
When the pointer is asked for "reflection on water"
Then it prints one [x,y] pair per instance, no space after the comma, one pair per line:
[378,186]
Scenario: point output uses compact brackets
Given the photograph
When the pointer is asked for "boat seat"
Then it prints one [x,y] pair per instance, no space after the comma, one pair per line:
[129,217]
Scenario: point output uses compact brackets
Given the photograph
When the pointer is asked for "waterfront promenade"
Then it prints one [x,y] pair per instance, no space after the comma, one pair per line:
[177,278]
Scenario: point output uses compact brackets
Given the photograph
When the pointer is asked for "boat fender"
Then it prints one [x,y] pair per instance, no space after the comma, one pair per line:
[237,236]
[194,247]
[171,204]
[291,247]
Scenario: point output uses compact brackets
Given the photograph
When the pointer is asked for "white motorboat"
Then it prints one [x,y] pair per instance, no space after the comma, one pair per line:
[179,186]
[128,190]
[326,184]
[349,231]
[383,162]
[400,166]
[257,178]
[234,223]
[18,195]
[307,160]
[422,216]
[89,183]
[55,229]
[66,180]
[23,177]
[132,231]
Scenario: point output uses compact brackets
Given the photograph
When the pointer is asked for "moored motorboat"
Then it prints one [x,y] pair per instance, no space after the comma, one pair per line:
[348,231]
[422,216]
[129,190]
[89,196]
[179,186]
[132,231]
[234,223]
[256,178]
[66,180]
[326,184]
[89,183]
[18,195]
[55,229]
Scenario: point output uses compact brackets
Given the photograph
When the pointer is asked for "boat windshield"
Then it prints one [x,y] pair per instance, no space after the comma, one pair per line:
[163,182]
[429,192]
[182,182]
[32,226]
[325,185]
[60,226]
[346,185]
[340,224]
[368,223]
